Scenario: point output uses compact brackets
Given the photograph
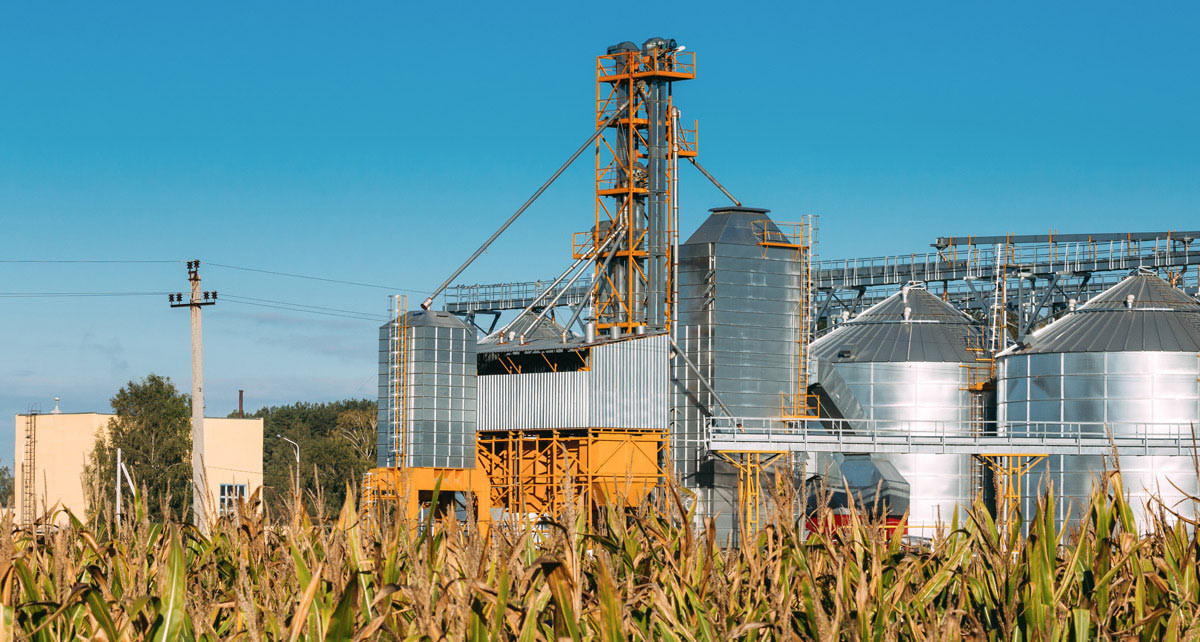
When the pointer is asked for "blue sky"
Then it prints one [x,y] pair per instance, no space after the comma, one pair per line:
[380,142]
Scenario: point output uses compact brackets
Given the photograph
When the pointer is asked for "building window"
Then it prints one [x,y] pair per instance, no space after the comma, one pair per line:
[231,495]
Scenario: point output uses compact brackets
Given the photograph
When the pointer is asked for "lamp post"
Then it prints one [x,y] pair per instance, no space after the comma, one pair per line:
[297,447]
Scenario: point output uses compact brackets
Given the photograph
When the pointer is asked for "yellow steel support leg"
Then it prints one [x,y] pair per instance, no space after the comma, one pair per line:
[1011,469]
[750,466]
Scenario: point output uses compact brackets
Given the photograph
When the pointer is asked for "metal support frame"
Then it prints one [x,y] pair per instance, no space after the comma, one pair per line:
[1010,470]
[1047,291]
[534,474]
[750,467]
[971,269]
[635,184]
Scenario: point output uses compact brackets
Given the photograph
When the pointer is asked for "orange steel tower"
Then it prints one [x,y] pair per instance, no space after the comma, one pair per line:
[636,161]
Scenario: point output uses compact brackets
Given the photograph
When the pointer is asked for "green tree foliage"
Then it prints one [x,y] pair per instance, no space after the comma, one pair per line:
[335,449]
[153,429]
[7,486]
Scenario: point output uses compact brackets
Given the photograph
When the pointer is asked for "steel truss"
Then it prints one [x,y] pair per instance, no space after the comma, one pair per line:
[1041,276]
[534,474]
[862,436]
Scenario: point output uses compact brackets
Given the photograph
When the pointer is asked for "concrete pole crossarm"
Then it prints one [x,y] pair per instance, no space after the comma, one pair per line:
[428,302]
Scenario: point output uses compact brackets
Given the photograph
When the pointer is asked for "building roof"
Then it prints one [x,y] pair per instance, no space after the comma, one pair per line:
[930,330]
[1158,318]
[732,225]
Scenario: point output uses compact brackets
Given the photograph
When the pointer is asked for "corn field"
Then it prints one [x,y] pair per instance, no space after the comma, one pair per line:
[648,573]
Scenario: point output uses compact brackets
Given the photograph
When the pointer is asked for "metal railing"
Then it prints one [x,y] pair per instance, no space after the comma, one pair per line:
[861,436]
[614,66]
[981,261]
[511,296]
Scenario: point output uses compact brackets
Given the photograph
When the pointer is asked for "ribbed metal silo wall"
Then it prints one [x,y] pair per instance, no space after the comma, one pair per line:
[1116,389]
[738,318]
[920,396]
[442,388]
[384,448]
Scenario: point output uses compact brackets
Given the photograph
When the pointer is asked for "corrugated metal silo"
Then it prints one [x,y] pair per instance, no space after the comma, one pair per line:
[1127,361]
[427,381]
[904,361]
[738,321]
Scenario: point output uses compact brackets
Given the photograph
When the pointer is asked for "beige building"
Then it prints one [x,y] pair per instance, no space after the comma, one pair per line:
[58,453]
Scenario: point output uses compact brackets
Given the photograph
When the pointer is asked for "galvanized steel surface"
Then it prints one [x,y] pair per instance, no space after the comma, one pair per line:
[438,422]
[738,322]
[1141,313]
[903,360]
[918,396]
[1128,356]
[625,387]
[1117,390]
[910,325]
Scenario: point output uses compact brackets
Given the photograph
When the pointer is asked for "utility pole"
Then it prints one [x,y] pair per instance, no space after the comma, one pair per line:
[195,301]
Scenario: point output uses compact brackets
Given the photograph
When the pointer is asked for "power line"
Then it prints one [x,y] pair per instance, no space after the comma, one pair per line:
[82,261]
[318,278]
[272,303]
[32,295]
[328,314]
[300,305]
[230,267]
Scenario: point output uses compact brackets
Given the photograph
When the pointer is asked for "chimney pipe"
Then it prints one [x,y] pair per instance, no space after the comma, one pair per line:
[241,411]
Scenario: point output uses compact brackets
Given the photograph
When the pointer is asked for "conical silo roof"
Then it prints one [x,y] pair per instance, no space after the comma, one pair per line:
[911,325]
[433,318]
[733,225]
[1141,313]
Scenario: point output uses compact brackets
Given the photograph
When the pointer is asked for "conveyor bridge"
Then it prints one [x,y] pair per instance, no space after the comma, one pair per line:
[776,435]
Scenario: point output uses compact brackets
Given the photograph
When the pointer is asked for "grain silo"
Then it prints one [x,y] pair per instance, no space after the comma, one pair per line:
[427,382]
[739,320]
[905,361]
[1125,363]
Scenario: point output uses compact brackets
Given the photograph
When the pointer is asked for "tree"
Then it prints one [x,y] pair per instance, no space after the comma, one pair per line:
[153,429]
[334,450]
[7,486]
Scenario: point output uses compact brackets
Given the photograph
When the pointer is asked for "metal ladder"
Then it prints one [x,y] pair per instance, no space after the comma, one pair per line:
[29,470]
